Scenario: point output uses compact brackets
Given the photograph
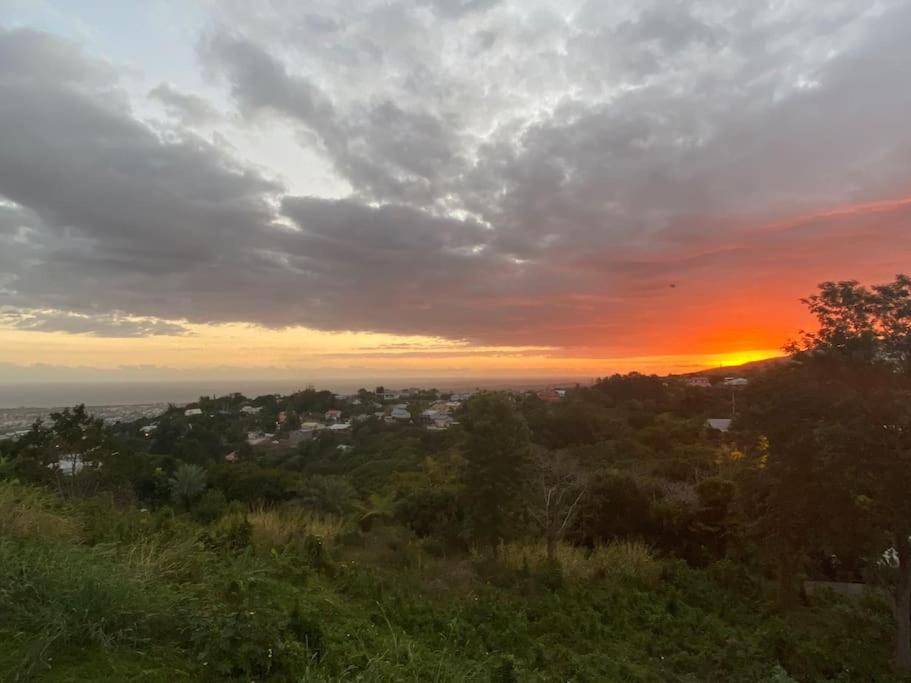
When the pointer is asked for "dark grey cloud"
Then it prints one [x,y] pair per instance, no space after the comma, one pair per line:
[521,176]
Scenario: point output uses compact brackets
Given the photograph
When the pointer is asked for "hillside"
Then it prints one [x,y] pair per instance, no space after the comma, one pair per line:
[176,550]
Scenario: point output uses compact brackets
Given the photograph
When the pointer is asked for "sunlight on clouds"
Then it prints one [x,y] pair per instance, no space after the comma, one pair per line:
[250,346]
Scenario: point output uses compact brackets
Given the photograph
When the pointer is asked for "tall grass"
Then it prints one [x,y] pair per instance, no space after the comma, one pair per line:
[172,559]
[30,512]
[614,561]
[57,595]
[277,527]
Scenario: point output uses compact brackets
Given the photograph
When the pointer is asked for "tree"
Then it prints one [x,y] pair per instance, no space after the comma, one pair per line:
[187,485]
[555,496]
[615,506]
[327,494]
[76,446]
[864,342]
[793,494]
[497,455]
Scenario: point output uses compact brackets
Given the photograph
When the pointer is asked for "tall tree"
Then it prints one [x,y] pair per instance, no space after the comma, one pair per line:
[497,457]
[864,341]
[791,485]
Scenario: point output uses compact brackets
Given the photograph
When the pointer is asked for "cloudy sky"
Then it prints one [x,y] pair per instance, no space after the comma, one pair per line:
[455,186]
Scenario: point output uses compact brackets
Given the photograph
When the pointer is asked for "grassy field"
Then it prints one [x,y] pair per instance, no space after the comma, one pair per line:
[88,592]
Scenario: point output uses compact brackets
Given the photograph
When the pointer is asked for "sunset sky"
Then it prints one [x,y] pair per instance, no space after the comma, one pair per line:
[440,187]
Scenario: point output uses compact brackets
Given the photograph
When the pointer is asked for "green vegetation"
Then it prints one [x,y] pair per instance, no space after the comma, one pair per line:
[606,536]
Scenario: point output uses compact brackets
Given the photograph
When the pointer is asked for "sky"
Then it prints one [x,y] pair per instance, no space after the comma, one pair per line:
[450,187]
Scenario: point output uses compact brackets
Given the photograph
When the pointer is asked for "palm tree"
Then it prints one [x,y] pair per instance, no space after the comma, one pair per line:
[378,509]
[187,485]
[327,494]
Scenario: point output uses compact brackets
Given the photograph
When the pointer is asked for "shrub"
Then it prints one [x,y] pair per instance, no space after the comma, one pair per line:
[252,644]
[210,506]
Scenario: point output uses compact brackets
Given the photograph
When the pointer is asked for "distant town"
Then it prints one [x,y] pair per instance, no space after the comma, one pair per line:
[272,421]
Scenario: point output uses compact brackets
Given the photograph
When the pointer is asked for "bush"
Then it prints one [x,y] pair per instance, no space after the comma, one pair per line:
[233,532]
[210,507]
[249,643]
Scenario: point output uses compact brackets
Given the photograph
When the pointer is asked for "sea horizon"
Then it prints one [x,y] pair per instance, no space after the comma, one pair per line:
[15,395]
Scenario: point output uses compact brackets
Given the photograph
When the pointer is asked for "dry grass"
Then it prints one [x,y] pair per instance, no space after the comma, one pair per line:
[151,558]
[278,527]
[617,560]
[29,512]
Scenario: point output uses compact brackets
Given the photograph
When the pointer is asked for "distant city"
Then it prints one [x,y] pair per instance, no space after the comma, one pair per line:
[21,405]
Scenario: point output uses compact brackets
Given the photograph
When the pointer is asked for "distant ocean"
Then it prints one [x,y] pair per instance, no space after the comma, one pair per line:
[58,394]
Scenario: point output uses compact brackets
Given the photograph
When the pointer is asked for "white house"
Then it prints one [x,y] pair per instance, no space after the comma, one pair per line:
[190,412]
[722,424]
[251,410]
[400,414]
[735,382]
[69,465]
[700,381]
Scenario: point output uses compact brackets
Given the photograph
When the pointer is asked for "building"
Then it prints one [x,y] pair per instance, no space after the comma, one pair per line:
[231,457]
[547,395]
[147,430]
[400,414]
[440,423]
[721,424]
[333,415]
[251,410]
[190,412]
[735,382]
[339,427]
[700,381]
[69,465]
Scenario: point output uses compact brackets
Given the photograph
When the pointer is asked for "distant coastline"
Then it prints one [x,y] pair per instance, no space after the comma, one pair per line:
[59,394]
